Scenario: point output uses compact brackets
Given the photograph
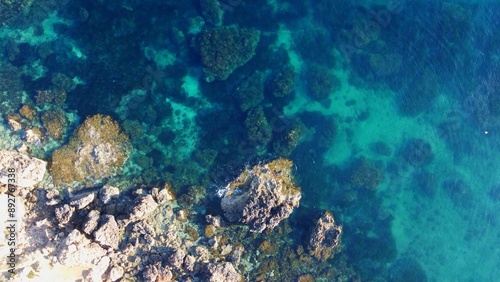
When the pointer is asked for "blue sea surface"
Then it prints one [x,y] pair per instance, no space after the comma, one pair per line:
[390,111]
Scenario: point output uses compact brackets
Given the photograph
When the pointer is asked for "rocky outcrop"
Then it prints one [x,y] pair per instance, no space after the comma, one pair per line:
[325,237]
[263,196]
[27,171]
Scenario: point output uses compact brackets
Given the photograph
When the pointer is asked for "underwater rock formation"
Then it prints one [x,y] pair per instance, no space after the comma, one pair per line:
[320,82]
[364,173]
[417,152]
[258,129]
[224,49]
[325,237]
[97,150]
[263,196]
[212,11]
[55,123]
[12,9]
[28,171]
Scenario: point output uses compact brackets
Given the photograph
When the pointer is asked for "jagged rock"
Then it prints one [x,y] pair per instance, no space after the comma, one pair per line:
[107,193]
[97,272]
[116,273]
[164,195]
[143,206]
[28,171]
[177,258]
[53,197]
[91,222]
[325,237]
[263,196]
[82,200]
[223,272]
[108,234]
[155,272]
[77,250]
[14,120]
[64,214]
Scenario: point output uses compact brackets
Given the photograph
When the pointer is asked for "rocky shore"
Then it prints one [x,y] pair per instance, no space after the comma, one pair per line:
[149,234]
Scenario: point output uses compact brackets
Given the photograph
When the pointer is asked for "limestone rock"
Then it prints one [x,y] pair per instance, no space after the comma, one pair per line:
[263,196]
[82,200]
[108,234]
[325,237]
[28,171]
[64,214]
[116,273]
[91,222]
[164,195]
[14,121]
[107,193]
[223,272]
[143,206]
[77,250]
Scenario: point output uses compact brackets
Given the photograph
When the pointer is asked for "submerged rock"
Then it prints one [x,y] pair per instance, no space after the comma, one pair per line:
[223,49]
[325,237]
[97,150]
[263,196]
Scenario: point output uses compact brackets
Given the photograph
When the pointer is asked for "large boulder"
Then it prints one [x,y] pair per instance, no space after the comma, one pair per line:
[263,196]
[325,237]
[25,170]
[97,150]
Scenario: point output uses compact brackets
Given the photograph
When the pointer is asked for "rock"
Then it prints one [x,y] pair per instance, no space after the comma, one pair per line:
[28,171]
[34,136]
[107,193]
[177,258]
[223,272]
[97,272]
[108,234]
[164,195]
[116,273]
[235,256]
[64,214]
[143,206]
[82,200]
[91,222]
[325,237]
[155,272]
[97,150]
[14,120]
[53,197]
[263,196]
[223,49]
[77,250]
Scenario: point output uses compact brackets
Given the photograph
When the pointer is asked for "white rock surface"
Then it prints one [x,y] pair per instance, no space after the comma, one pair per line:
[28,171]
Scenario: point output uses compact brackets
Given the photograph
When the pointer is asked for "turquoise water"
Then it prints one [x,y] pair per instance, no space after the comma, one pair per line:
[396,106]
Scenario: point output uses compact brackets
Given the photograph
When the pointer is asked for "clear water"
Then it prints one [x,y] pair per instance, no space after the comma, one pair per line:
[418,96]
